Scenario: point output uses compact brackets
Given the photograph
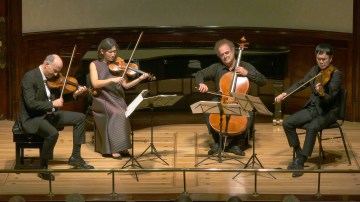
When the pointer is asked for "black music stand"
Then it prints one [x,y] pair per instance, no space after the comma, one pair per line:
[130,109]
[254,104]
[154,102]
[213,107]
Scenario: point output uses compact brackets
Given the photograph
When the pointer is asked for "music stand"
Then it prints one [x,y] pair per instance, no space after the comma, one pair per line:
[213,107]
[254,104]
[153,102]
[129,110]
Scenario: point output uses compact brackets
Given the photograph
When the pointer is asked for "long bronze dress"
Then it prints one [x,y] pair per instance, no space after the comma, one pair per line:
[112,127]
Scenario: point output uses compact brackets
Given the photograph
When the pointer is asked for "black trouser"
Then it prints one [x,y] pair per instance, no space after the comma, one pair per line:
[316,124]
[49,130]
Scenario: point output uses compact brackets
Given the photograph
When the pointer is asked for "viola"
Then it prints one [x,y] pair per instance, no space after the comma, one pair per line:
[229,83]
[119,66]
[71,84]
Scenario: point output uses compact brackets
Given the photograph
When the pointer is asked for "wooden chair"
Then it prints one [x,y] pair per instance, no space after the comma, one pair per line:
[338,124]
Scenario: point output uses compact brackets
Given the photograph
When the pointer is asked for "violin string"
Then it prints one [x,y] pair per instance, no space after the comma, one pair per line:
[137,43]
[234,78]
[67,73]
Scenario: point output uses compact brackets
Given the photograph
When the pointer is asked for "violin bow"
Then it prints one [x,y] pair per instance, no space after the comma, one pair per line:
[67,73]
[301,85]
[137,43]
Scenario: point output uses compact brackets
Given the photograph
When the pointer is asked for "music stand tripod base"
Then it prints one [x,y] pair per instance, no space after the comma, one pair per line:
[132,158]
[220,157]
[153,102]
[213,107]
[255,105]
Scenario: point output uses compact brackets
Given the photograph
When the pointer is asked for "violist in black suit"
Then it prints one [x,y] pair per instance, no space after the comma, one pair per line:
[320,111]
[40,113]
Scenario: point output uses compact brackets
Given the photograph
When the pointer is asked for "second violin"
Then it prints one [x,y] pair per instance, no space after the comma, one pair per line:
[119,66]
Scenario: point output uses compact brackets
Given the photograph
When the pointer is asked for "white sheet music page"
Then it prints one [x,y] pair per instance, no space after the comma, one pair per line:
[132,106]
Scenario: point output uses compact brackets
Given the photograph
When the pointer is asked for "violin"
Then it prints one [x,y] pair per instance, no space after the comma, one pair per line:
[71,84]
[119,66]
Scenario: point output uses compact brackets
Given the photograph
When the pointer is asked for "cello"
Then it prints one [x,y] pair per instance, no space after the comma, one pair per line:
[230,83]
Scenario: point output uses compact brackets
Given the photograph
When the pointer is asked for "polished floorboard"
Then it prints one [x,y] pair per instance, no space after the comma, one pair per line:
[180,141]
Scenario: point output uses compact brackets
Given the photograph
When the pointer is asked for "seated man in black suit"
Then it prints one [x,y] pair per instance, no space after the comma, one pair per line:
[40,114]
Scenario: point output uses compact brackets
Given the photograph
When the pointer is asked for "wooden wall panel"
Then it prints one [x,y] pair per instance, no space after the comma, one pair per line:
[28,50]
[3,84]
[355,57]
[301,44]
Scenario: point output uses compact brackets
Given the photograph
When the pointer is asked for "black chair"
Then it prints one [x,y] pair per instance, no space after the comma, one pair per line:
[89,116]
[337,124]
[23,140]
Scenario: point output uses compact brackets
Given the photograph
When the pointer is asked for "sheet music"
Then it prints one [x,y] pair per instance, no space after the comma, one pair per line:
[213,107]
[259,105]
[243,101]
[209,107]
[133,105]
[249,102]
[159,101]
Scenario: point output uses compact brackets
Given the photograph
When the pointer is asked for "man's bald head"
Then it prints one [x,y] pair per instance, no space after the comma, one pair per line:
[54,59]
[52,65]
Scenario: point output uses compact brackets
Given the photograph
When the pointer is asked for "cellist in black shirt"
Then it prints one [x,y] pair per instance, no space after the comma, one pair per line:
[225,50]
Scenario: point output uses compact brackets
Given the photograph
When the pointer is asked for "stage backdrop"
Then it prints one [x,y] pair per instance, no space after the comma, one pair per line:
[325,15]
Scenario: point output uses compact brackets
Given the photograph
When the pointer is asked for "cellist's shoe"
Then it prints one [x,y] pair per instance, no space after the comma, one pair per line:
[214,149]
[236,150]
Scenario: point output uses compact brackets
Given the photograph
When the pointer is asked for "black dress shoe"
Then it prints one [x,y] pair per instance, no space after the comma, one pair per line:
[298,164]
[79,163]
[117,157]
[125,154]
[298,174]
[236,150]
[214,149]
[46,176]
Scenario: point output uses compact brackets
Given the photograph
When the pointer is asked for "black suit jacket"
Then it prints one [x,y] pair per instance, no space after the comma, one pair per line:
[34,101]
[329,104]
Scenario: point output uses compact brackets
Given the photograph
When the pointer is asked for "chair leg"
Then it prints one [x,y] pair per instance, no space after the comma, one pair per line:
[320,146]
[345,147]
[224,143]
[321,151]
[18,159]
[94,136]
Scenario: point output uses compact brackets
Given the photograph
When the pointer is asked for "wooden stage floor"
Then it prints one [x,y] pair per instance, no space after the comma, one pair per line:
[182,141]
